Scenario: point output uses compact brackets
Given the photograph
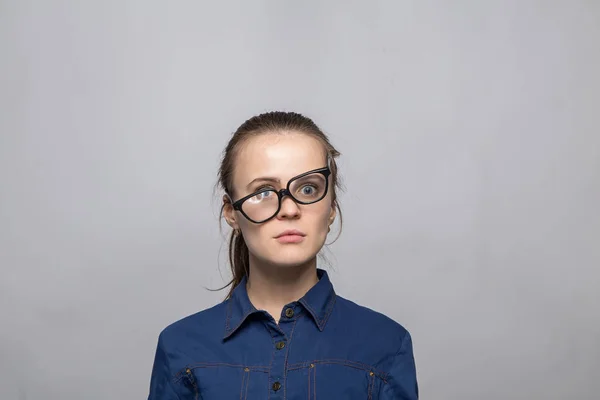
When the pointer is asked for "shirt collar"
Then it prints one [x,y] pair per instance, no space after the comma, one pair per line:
[318,301]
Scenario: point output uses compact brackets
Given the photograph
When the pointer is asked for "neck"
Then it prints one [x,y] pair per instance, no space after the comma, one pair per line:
[271,287]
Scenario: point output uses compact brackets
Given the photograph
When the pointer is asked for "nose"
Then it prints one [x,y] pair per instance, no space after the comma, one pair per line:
[289,208]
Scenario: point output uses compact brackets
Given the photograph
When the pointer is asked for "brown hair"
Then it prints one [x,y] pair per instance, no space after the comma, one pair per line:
[270,122]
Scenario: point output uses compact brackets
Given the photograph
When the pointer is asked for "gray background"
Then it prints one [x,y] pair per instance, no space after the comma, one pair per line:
[471,158]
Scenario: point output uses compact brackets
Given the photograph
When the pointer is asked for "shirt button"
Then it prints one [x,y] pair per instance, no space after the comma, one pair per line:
[289,312]
[276,386]
[280,345]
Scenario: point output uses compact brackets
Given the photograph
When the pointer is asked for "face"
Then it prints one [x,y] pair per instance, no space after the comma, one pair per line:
[281,156]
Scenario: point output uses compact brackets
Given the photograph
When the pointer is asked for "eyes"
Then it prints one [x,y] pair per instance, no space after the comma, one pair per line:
[263,195]
[269,192]
[264,202]
[308,190]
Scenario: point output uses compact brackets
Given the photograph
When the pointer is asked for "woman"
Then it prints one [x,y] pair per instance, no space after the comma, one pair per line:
[282,332]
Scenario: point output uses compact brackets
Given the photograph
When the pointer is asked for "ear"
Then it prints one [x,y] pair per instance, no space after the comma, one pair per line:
[229,212]
[333,212]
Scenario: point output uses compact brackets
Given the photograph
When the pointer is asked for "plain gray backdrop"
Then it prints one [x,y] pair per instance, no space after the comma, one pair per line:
[470,140]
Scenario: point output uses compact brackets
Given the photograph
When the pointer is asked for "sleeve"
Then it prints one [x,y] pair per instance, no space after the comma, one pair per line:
[161,384]
[402,380]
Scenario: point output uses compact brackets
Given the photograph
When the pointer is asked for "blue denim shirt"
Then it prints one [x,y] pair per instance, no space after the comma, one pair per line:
[324,347]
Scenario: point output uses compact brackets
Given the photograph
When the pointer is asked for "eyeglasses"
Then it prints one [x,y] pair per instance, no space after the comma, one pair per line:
[306,188]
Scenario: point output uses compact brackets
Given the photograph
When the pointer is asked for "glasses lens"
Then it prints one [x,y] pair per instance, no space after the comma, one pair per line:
[310,188]
[261,206]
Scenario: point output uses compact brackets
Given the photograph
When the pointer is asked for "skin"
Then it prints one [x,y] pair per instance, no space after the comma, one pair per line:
[280,273]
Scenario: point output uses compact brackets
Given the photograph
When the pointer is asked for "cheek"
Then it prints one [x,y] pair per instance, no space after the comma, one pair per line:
[252,232]
[320,214]
[318,222]
[258,237]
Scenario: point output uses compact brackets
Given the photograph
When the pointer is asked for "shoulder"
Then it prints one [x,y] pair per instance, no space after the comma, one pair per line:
[379,326]
[207,323]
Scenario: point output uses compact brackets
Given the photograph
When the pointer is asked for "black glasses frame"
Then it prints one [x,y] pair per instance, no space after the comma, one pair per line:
[237,205]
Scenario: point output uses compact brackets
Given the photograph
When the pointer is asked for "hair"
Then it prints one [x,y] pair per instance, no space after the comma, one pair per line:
[275,122]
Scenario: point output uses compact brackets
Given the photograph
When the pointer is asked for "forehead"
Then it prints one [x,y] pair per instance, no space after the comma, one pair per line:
[282,155]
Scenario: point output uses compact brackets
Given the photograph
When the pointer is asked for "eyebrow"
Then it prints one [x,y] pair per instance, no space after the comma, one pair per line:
[273,179]
[263,179]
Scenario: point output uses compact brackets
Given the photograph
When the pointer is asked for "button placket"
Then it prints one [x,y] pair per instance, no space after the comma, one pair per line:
[281,340]
[278,364]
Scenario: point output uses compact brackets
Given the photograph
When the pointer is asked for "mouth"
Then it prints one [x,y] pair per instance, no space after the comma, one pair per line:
[290,236]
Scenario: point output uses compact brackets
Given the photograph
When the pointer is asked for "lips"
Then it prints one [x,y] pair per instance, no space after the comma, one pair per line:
[290,232]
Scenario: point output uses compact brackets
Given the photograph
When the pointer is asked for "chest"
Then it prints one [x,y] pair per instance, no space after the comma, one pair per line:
[310,379]
[290,360]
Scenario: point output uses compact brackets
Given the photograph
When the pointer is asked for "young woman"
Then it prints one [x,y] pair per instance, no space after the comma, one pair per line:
[282,332]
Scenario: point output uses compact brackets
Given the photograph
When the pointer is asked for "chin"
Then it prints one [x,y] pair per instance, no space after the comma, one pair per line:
[289,262]
[285,255]
[287,259]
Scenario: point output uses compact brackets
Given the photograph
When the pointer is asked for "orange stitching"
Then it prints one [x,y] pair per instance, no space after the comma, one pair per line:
[309,372]
[247,384]
[326,317]
[371,384]
[285,363]
[181,374]
[228,316]
[315,382]
[242,388]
